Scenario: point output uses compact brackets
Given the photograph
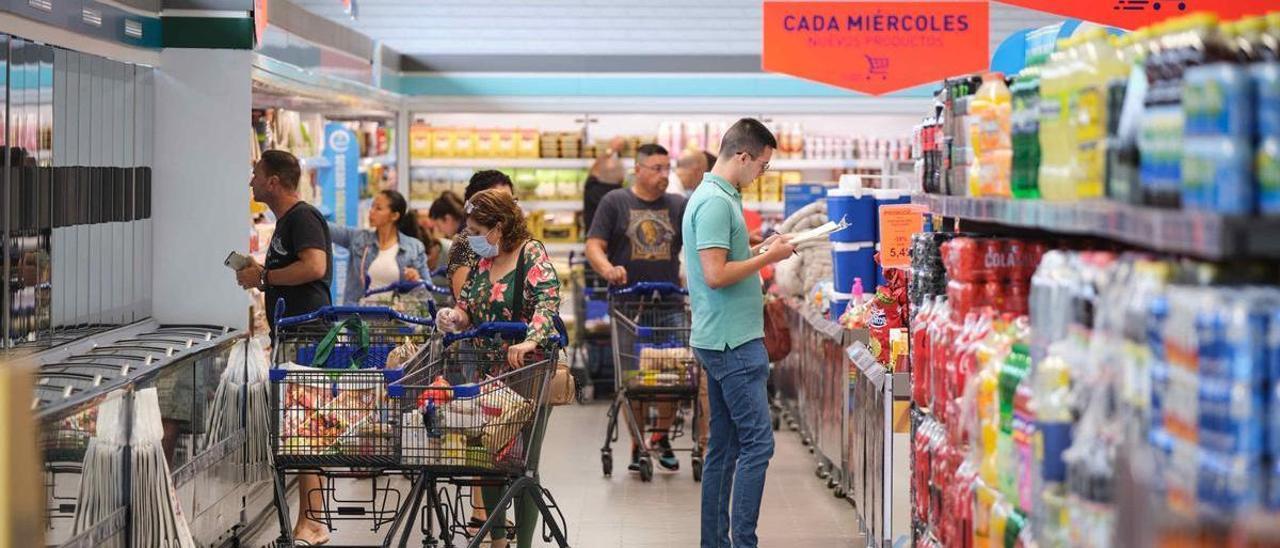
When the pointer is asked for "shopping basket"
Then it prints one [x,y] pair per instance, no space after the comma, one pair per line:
[329,399]
[467,415]
[651,340]
[653,364]
[331,414]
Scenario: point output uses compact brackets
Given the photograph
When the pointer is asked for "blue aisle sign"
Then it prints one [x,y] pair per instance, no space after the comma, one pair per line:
[340,193]
[340,184]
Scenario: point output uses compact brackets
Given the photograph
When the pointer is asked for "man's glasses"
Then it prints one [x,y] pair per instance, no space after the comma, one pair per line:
[660,168]
[752,157]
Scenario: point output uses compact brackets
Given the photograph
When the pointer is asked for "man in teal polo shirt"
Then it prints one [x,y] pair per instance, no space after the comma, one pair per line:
[728,334]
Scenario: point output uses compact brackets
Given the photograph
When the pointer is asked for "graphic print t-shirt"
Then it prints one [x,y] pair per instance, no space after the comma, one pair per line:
[302,227]
[642,236]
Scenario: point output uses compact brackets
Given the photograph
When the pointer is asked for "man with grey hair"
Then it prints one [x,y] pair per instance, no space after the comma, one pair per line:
[690,168]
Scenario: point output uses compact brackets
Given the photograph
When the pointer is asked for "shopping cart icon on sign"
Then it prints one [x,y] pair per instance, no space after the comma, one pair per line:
[877,66]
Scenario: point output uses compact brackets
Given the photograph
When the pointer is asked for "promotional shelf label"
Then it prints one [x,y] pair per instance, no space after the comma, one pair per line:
[1132,14]
[897,224]
[875,47]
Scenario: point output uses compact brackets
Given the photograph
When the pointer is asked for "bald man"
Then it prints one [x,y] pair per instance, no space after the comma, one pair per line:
[690,168]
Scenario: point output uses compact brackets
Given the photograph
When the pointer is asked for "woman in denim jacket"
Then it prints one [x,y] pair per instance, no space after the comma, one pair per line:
[384,254]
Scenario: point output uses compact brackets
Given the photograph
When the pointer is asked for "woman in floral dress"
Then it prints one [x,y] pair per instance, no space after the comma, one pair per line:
[497,233]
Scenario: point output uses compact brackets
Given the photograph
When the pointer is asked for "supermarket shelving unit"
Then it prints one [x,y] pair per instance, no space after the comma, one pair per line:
[1199,234]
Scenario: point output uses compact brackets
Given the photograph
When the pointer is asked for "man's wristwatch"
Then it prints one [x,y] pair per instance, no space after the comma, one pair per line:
[262,282]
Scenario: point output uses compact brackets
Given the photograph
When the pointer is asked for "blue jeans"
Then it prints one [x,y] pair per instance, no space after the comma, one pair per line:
[741,444]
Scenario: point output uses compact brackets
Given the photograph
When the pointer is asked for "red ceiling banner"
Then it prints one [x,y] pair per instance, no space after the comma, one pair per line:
[1133,14]
[875,47]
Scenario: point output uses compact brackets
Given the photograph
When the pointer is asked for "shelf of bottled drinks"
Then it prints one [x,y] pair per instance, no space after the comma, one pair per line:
[1095,339]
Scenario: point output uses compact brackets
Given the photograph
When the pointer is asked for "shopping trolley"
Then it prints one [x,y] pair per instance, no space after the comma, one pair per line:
[331,414]
[589,352]
[470,420]
[653,364]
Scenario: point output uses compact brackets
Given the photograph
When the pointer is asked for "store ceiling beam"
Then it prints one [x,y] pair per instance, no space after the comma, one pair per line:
[581,63]
[673,105]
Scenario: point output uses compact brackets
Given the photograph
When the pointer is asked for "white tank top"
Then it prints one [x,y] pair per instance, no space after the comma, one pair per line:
[384,271]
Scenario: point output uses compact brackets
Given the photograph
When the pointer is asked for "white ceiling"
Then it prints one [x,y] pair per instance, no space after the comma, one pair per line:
[583,27]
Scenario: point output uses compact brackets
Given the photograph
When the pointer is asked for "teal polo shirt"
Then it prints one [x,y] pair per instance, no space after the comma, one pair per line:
[730,316]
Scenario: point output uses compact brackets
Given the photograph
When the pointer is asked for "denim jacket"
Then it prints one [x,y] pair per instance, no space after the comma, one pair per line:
[363,246]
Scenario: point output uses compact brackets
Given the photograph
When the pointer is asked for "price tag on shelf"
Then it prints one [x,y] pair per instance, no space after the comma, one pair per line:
[897,224]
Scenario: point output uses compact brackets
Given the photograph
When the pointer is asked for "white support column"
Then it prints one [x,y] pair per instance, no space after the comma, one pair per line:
[201,185]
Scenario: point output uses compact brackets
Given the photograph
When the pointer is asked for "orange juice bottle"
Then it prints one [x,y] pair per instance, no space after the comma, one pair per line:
[992,110]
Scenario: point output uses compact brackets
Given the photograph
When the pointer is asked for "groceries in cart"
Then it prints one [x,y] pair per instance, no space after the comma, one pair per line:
[468,425]
[465,418]
[334,418]
[669,364]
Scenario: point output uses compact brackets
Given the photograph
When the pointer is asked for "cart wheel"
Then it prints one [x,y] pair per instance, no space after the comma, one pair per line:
[606,462]
[821,472]
[807,443]
[832,482]
[646,470]
[697,470]
[839,492]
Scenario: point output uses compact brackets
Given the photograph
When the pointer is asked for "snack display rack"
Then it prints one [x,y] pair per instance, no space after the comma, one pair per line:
[851,420]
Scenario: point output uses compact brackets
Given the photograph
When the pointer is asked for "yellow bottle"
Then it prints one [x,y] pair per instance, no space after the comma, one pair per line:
[990,135]
[988,422]
[1057,145]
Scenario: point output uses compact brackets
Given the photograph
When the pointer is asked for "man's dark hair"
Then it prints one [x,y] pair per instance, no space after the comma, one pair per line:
[281,164]
[747,135]
[485,180]
[446,204]
[711,159]
[651,149]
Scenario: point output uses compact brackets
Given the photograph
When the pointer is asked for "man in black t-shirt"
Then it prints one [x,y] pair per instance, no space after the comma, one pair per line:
[298,256]
[298,273]
[635,237]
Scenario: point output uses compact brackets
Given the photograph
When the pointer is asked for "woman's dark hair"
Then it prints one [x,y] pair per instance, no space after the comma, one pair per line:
[407,223]
[447,203]
[485,180]
[492,208]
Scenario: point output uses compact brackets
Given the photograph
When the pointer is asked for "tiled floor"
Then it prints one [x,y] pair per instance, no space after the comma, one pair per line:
[798,510]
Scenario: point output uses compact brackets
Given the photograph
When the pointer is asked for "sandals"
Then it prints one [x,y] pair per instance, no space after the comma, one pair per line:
[475,524]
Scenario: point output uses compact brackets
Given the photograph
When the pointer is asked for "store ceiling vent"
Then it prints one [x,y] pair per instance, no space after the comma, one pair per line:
[91,17]
[42,5]
[132,29]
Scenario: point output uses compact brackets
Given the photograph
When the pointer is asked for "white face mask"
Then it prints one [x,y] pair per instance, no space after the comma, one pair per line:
[480,244]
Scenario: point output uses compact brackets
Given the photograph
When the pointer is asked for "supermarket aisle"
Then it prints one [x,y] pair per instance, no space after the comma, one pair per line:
[620,511]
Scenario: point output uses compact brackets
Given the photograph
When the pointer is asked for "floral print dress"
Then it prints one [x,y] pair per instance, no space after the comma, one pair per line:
[485,300]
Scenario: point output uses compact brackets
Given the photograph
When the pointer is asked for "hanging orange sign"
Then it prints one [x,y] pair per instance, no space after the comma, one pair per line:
[875,47]
[1132,14]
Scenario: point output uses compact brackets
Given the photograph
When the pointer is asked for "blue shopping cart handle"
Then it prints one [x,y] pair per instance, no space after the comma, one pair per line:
[405,287]
[332,313]
[645,288]
[507,330]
